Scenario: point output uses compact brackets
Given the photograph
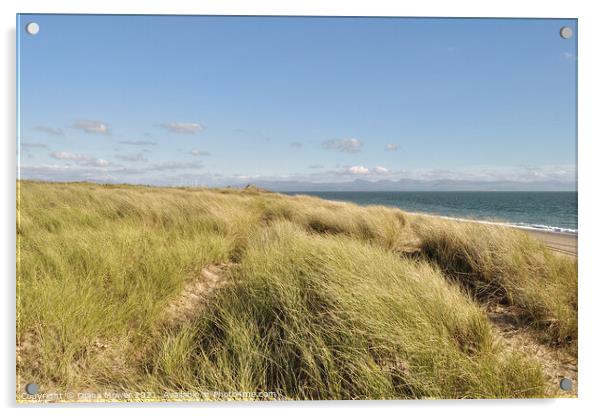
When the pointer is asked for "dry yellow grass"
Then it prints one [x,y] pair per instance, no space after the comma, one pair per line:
[503,265]
[319,300]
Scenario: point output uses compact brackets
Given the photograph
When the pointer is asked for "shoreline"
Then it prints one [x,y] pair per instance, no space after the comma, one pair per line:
[553,230]
[520,225]
[562,242]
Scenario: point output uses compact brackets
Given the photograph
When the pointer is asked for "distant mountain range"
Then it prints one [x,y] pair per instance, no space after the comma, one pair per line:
[415,185]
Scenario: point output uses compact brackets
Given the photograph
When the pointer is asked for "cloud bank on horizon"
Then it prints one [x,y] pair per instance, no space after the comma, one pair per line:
[343,103]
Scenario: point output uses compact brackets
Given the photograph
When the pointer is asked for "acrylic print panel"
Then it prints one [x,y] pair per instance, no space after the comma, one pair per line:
[293,208]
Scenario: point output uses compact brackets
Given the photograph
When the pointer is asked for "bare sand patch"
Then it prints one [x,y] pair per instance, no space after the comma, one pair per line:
[195,293]
[562,243]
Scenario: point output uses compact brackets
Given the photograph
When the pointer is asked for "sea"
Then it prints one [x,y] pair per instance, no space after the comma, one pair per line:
[548,211]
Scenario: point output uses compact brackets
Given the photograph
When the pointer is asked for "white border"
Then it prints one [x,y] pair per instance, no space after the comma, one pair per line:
[590,276]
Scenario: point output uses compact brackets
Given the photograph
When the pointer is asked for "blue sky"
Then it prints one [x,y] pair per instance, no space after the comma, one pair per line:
[228,100]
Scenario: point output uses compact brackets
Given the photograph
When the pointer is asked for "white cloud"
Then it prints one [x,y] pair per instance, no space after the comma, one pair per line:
[101,163]
[357,170]
[132,158]
[80,159]
[70,156]
[343,145]
[185,128]
[91,126]
[197,152]
[176,166]
[55,131]
[139,142]
[380,170]
[391,147]
[98,172]
[568,55]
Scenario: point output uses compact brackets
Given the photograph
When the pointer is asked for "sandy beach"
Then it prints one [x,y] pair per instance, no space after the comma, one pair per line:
[559,242]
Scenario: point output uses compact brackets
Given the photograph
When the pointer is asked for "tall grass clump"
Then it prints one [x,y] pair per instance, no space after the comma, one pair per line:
[499,264]
[97,265]
[328,317]
[387,227]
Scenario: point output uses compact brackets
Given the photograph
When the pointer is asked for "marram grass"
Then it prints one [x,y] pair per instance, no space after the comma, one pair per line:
[500,264]
[320,300]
